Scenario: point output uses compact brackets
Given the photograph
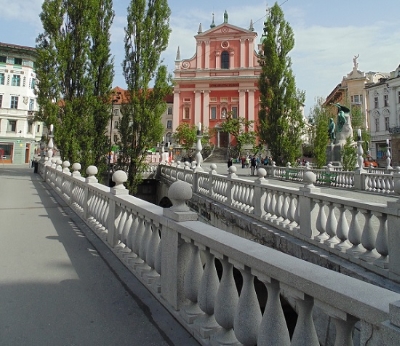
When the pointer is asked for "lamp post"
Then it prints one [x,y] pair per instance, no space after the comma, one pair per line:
[388,155]
[360,151]
[199,157]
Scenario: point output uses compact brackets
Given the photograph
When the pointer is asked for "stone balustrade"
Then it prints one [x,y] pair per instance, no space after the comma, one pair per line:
[356,231]
[190,266]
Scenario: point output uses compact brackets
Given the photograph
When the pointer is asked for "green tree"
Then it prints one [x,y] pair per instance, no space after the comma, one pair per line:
[319,136]
[281,121]
[75,72]
[240,128]
[186,135]
[349,155]
[146,37]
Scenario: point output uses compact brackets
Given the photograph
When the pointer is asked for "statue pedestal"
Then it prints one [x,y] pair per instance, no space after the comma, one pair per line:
[341,137]
[333,153]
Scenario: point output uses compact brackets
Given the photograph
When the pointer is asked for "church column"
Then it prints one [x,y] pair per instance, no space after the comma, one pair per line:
[251,52]
[207,55]
[206,109]
[197,107]
[250,109]
[217,59]
[231,60]
[199,54]
[242,103]
[242,52]
[175,111]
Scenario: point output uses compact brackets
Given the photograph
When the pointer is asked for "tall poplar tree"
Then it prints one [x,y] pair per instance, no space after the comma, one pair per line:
[281,121]
[146,37]
[75,72]
[320,139]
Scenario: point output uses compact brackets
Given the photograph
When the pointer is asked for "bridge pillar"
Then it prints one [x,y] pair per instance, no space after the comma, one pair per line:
[308,212]
[175,253]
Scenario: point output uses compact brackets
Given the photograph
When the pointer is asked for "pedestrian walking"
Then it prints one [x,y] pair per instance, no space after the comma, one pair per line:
[230,161]
[253,164]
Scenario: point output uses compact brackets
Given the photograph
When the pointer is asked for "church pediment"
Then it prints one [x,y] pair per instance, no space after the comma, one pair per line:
[226,29]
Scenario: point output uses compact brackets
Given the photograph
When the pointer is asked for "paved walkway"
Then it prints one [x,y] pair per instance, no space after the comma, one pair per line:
[60,285]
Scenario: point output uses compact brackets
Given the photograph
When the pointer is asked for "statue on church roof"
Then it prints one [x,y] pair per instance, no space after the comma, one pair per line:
[355,61]
[212,25]
[226,17]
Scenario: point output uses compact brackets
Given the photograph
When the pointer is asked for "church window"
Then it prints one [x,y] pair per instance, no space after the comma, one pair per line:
[225,60]
[234,112]
[213,113]
[186,113]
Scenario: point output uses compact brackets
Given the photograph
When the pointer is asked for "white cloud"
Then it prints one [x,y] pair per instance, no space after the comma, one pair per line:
[22,10]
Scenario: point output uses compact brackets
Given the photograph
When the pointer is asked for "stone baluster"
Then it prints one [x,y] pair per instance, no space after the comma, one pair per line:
[321,222]
[293,211]
[368,239]
[285,208]
[344,330]
[248,314]
[133,260]
[153,254]
[213,171]
[125,233]
[268,204]
[278,207]
[274,202]
[382,241]
[206,325]
[119,226]
[192,281]
[273,329]
[144,243]
[226,303]
[355,234]
[102,229]
[342,230]
[331,226]
[131,238]
[304,332]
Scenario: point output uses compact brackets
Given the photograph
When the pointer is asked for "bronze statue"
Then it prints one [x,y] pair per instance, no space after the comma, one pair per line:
[331,130]
[343,113]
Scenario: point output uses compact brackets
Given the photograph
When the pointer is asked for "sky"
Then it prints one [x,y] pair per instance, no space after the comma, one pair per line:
[328,34]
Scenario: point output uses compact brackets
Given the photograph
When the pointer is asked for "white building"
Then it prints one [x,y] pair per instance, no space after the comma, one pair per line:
[19,133]
[383,99]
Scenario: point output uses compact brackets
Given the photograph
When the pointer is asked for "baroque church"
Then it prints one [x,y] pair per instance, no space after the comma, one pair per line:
[219,80]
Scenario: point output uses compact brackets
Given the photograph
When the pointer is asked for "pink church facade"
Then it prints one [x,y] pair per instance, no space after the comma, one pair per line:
[221,78]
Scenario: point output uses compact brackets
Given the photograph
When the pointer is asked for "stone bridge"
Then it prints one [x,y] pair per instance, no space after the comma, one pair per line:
[191,267]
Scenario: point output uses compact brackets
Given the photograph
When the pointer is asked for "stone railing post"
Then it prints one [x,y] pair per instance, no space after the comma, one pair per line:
[174,250]
[273,169]
[229,189]
[119,178]
[91,172]
[213,170]
[308,214]
[393,220]
[195,181]
[259,197]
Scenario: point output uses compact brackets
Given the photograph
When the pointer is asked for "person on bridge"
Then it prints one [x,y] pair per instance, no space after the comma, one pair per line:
[253,164]
[230,162]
